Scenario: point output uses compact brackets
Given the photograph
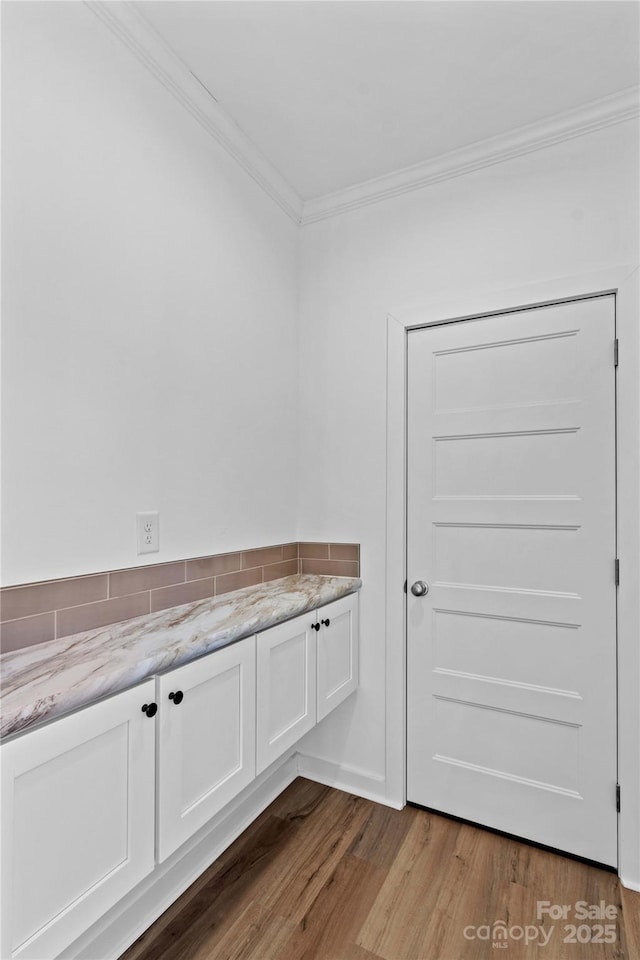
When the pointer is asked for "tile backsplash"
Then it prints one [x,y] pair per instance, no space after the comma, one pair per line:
[36,612]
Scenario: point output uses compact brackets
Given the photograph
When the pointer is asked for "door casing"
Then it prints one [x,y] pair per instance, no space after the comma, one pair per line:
[624,282]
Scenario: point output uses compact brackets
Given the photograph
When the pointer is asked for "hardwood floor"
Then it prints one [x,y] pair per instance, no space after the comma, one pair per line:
[323,875]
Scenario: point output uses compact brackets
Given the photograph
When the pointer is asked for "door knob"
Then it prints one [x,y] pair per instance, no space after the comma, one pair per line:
[419,588]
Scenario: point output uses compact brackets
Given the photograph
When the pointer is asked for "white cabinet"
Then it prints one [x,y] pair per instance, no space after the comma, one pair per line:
[77,821]
[305,668]
[206,747]
[89,798]
[286,687]
[337,653]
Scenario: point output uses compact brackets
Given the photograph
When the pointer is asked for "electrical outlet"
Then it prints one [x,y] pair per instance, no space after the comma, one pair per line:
[148,532]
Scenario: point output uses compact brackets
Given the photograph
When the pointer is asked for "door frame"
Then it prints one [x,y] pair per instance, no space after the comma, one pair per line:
[624,282]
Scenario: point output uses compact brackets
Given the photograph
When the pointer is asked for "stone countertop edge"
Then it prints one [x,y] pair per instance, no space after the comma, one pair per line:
[55,678]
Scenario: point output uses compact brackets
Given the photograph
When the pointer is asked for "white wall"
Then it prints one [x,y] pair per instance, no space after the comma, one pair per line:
[149,316]
[567,210]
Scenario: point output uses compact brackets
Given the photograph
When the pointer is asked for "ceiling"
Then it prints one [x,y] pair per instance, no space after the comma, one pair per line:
[334,93]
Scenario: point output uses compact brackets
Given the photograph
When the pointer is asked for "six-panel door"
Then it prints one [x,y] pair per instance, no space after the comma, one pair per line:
[77,821]
[286,686]
[337,643]
[206,752]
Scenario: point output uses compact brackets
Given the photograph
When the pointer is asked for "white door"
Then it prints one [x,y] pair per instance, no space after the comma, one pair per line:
[78,803]
[511,524]
[286,686]
[206,751]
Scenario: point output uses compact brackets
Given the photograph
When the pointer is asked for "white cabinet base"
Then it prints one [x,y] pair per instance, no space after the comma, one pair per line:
[82,797]
[286,687]
[206,740]
[77,821]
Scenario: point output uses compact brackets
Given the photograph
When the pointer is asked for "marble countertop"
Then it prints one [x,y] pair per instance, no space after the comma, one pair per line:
[50,679]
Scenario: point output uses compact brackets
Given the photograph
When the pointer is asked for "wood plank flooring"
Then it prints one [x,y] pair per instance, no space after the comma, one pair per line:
[323,875]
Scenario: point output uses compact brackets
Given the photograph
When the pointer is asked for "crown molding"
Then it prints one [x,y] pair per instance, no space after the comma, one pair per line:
[592,116]
[131,27]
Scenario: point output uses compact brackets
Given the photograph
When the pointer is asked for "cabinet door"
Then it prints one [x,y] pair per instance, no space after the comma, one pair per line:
[77,821]
[206,750]
[286,700]
[337,653]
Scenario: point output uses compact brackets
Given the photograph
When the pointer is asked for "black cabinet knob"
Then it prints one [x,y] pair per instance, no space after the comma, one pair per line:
[325,622]
[177,696]
[315,626]
[150,709]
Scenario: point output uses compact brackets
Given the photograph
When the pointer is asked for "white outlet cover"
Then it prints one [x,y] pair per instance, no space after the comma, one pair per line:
[148,531]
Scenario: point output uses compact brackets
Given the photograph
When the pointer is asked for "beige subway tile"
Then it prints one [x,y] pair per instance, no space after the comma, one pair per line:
[16,634]
[290,551]
[212,566]
[136,579]
[319,551]
[257,558]
[273,571]
[235,581]
[344,551]
[181,593]
[90,616]
[331,568]
[26,601]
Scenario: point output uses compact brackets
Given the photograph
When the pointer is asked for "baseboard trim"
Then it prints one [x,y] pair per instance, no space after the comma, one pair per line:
[629,884]
[363,783]
[128,919]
